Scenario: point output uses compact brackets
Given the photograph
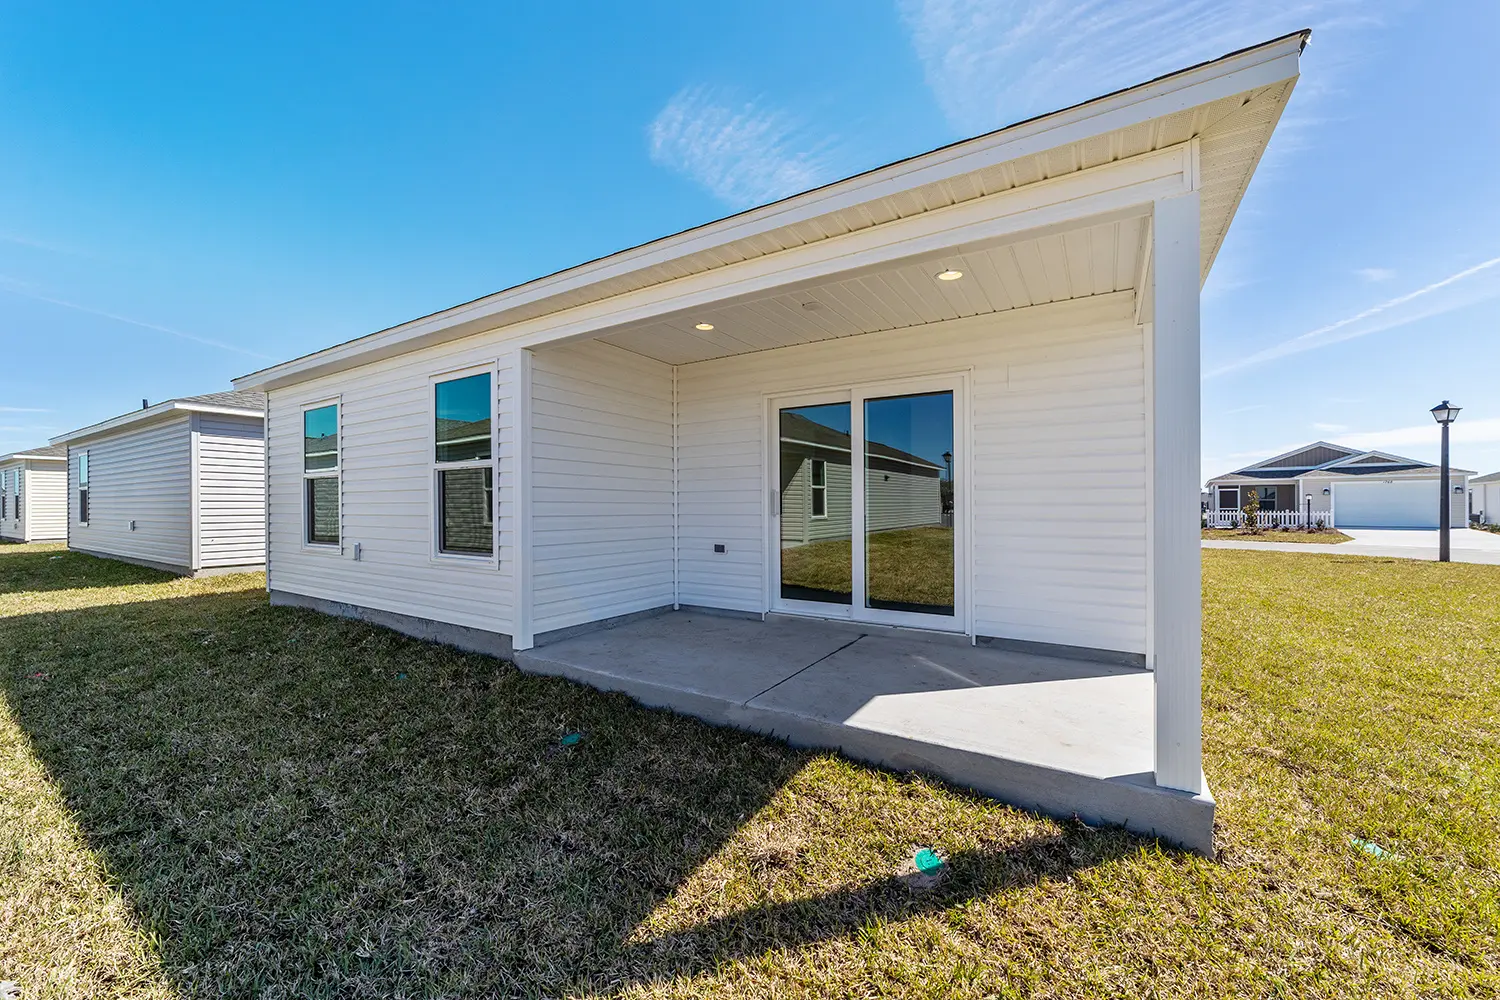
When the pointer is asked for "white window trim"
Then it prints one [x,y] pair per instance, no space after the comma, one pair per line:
[83,459]
[813,489]
[435,468]
[336,473]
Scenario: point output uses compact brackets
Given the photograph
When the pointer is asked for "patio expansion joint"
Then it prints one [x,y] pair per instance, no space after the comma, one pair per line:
[800,670]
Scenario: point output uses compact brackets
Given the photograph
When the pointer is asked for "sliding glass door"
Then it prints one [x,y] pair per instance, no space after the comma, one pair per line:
[865,511]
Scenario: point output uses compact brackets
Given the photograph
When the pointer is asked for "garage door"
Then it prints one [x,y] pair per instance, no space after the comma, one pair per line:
[1399,504]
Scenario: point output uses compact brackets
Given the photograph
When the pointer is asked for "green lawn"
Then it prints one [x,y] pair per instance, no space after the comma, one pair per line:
[201,795]
[911,566]
[1327,536]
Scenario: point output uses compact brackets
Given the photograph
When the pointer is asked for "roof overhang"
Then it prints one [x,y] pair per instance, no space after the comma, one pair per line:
[26,456]
[1203,128]
[151,414]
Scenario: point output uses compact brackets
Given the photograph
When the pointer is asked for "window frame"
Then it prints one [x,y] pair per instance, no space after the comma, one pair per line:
[84,486]
[20,491]
[5,495]
[814,488]
[436,468]
[336,473]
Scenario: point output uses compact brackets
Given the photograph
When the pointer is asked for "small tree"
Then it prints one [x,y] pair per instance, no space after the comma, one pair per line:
[1251,510]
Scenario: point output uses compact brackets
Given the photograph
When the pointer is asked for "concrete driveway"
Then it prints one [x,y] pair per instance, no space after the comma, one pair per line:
[1465,544]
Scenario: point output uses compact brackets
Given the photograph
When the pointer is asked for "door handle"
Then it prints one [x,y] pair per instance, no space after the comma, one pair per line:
[775,502]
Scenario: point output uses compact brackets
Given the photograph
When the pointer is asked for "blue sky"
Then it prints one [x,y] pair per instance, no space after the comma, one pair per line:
[188,193]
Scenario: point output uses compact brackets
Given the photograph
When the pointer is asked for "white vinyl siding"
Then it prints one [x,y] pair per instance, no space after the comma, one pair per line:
[798,524]
[1059,466]
[140,474]
[385,444]
[601,493]
[231,491]
[898,500]
[44,503]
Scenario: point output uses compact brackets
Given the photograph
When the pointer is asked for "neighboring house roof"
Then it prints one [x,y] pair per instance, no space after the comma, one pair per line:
[795,427]
[236,402]
[1323,459]
[1493,477]
[52,452]
[1230,104]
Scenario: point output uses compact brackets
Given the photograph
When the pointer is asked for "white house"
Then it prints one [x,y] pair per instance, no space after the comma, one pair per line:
[1342,487]
[178,486]
[1485,504]
[34,495]
[1011,321]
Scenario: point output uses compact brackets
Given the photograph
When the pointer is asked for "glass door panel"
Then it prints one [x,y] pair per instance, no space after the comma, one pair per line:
[908,503]
[816,504]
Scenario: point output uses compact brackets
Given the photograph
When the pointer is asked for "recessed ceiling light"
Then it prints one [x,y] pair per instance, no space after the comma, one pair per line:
[705,326]
[949,275]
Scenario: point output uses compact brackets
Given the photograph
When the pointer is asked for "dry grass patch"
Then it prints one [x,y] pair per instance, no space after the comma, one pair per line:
[201,795]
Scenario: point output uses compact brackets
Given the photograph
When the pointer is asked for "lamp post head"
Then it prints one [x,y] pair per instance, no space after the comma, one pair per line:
[1445,413]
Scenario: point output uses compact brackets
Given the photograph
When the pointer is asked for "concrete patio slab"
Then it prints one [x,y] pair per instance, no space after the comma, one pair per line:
[1057,735]
[1089,718]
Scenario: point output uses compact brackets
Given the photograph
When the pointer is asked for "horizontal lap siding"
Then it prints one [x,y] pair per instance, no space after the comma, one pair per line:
[601,484]
[46,499]
[231,491]
[387,498]
[1057,400]
[141,475]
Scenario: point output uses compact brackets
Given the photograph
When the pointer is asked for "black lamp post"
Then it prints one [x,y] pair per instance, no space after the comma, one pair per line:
[1307,520]
[948,461]
[1444,413]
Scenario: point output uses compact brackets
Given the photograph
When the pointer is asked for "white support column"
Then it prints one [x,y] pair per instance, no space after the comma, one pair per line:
[1176,564]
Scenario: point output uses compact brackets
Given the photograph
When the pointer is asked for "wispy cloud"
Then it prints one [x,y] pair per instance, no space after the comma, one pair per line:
[1424,437]
[1419,441]
[743,152]
[990,63]
[22,409]
[1375,274]
[1330,428]
[16,288]
[1472,284]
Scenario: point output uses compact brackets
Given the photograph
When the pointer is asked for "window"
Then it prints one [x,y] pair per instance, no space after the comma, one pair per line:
[463,464]
[819,488]
[1229,498]
[4,495]
[320,474]
[20,475]
[1267,498]
[83,487]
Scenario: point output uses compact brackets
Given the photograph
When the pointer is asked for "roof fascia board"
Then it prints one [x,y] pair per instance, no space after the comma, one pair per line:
[22,456]
[150,415]
[1125,188]
[1241,72]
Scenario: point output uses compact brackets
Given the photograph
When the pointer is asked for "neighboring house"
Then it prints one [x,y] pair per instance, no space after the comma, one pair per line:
[178,486]
[902,490]
[603,442]
[1485,498]
[34,495]
[1344,487]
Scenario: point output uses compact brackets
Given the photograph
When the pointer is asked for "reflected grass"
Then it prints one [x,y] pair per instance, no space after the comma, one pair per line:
[910,565]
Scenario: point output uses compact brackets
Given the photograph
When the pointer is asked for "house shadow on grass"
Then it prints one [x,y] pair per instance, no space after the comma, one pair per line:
[299,805]
[33,568]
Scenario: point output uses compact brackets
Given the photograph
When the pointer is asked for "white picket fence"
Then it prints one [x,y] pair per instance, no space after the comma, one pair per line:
[1266,518]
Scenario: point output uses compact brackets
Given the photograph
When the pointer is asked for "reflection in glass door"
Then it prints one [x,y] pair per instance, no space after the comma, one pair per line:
[908,503]
[816,504]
